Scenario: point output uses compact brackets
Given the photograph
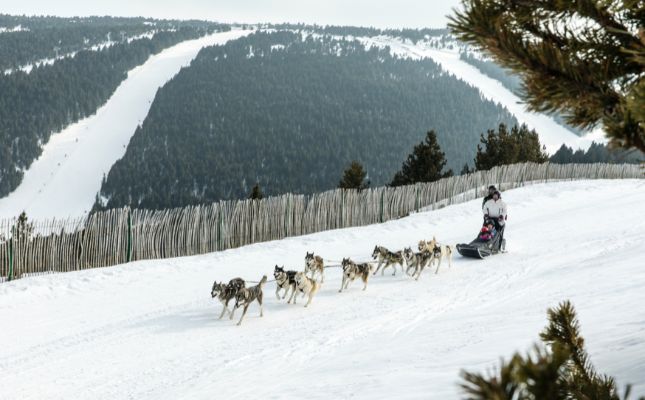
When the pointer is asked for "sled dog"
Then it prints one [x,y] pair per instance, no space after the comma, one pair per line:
[417,261]
[226,293]
[246,296]
[387,258]
[284,280]
[439,250]
[307,286]
[315,265]
[351,271]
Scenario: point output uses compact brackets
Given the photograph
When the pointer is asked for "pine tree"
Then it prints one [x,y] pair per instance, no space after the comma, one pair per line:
[354,177]
[465,170]
[424,164]
[256,193]
[592,73]
[503,147]
[560,371]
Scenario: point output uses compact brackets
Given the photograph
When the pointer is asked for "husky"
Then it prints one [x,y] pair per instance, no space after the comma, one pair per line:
[351,271]
[315,264]
[226,293]
[246,296]
[307,286]
[440,251]
[418,261]
[386,258]
[284,280]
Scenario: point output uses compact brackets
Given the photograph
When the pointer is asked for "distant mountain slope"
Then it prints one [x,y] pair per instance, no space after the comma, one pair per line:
[52,96]
[65,178]
[290,112]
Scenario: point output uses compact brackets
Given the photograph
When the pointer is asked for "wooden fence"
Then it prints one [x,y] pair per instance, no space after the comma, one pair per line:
[122,235]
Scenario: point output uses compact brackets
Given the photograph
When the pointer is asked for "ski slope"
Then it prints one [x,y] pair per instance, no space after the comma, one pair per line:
[552,135]
[149,330]
[65,179]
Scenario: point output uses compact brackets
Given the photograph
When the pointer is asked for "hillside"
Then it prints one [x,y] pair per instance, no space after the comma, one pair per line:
[65,178]
[149,330]
[291,111]
[57,71]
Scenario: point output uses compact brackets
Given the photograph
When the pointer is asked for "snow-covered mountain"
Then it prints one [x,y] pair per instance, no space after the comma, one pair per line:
[149,329]
[65,179]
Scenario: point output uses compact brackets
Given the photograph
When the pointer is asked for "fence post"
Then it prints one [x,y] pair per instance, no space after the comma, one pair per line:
[382,201]
[129,251]
[10,275]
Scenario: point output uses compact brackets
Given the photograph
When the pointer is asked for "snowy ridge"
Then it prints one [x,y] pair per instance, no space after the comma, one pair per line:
[96,47]
[552,134]
[149,329]
[65,179]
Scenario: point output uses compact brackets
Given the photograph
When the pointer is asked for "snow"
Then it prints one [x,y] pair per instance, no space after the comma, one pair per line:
[27,68]
[17,28]
[65,179]
[149,329]
[552,134]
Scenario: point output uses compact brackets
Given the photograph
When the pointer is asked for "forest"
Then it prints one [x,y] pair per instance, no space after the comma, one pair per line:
[50,97]
[290,112]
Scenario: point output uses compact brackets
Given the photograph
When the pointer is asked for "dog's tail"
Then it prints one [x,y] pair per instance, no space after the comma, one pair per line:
[263,281]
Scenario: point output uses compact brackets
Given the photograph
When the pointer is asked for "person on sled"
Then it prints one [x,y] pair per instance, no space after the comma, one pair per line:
[491,189]
[488,231]
[495,209]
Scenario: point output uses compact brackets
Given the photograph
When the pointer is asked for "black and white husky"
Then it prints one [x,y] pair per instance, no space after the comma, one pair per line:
[351,271]
[307,286]
[226,293]
[284,280]
[315,265]
[246,296]
[418,261]
[387,258]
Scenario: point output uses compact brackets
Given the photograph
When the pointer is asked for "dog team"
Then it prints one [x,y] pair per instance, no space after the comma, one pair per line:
[292,283]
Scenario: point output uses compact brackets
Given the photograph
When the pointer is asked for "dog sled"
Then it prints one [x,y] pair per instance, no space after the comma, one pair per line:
[481,249]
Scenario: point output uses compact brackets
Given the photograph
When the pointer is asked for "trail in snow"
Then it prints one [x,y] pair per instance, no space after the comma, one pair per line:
[148,330]
[65,179]
[552,134]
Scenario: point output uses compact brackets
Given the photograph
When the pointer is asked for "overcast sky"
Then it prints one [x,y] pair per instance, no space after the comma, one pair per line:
[378,13]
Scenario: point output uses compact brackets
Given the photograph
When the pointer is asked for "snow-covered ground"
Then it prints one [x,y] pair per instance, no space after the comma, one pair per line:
[65,179]
[552,134]
[149,330]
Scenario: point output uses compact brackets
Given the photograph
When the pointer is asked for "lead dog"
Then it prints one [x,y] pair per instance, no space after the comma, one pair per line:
[284,280]
[387,258]
[351,271]
[307,286]
[226,293]
[315,264]
[440,251]
[246,296]
[418,261]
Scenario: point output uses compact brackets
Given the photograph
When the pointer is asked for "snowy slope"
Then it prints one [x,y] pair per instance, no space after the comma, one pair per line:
[552,134]
[148,330]
[64,180]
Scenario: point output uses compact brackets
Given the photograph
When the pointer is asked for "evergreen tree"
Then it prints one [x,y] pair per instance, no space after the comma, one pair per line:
[256,193]
[593,73]
[503,147]
[424,164]
[465,170]
[561,371]
[354,177]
